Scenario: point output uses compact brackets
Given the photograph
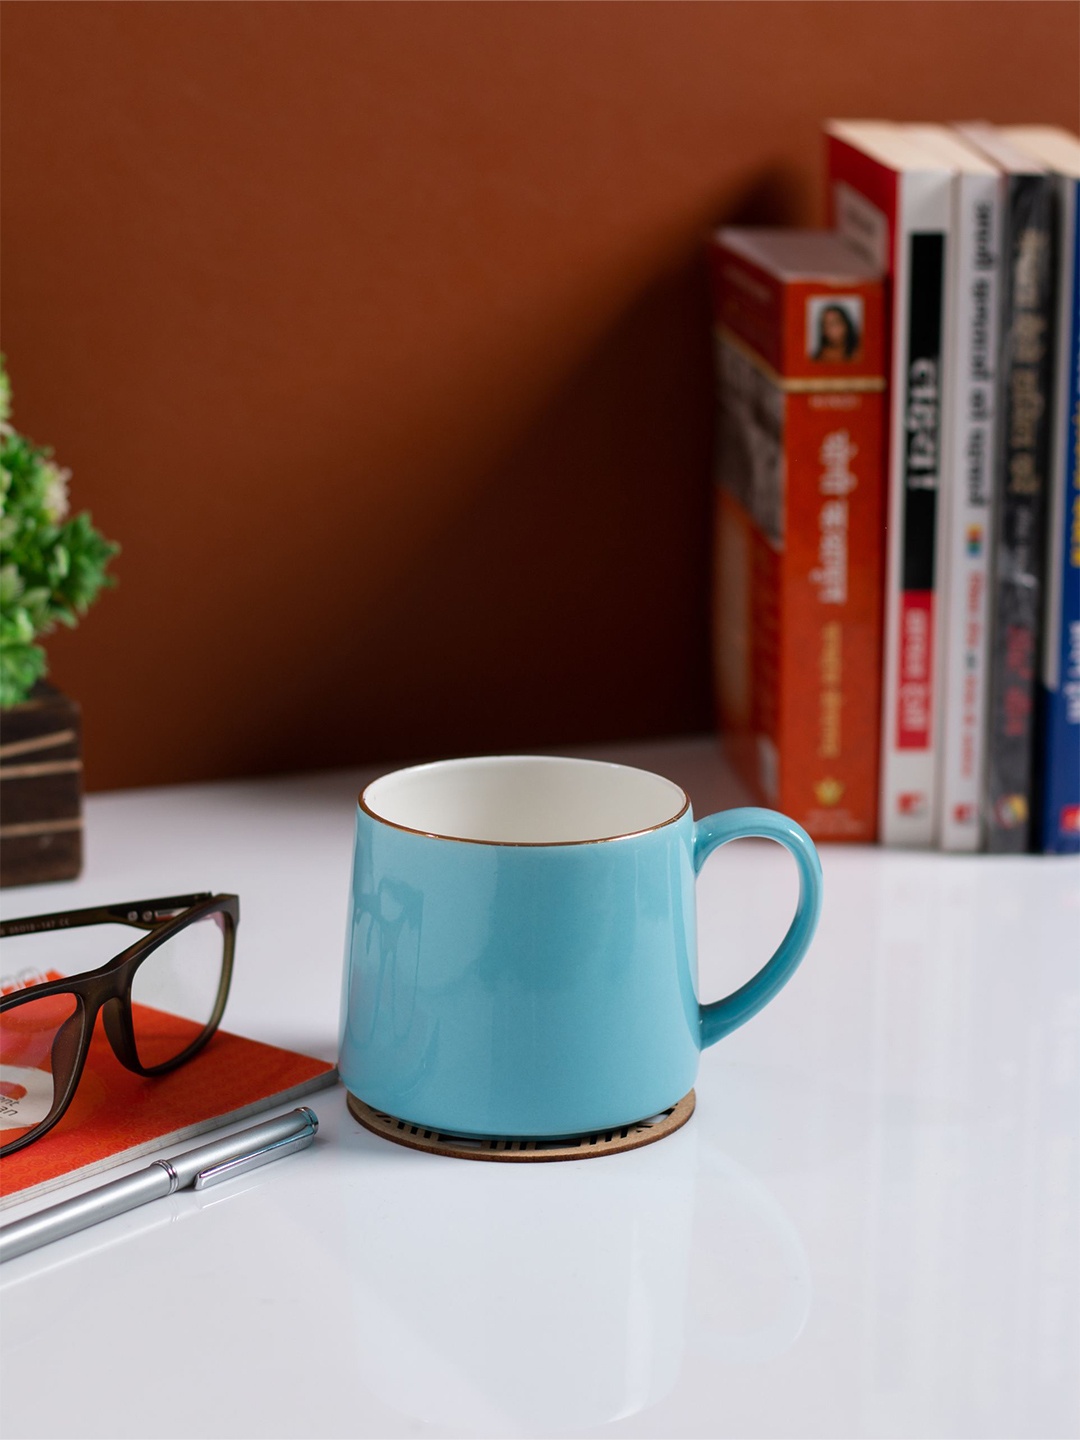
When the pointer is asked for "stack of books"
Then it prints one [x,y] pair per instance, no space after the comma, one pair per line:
[898,514]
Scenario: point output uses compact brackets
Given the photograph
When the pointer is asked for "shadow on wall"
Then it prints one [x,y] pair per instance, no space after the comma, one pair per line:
[542,581]
[560,594]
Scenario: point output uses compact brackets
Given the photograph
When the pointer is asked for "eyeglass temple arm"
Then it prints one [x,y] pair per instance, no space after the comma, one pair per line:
[144,914]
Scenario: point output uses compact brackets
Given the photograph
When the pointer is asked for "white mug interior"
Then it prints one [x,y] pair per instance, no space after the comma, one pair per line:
[524,800]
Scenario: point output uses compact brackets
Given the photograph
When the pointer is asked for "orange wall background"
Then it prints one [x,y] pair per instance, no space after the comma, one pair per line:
[378,335]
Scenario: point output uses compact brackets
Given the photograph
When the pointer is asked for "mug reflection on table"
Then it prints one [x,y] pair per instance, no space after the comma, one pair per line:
[569,1299]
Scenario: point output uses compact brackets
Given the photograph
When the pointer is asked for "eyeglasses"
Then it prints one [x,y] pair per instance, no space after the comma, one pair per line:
[161,1000]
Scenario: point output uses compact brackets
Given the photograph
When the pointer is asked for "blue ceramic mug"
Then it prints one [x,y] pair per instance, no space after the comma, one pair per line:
[521,952]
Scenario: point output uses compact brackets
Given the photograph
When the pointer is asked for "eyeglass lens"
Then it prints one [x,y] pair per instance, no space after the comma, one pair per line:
[175,989]
[39,1041]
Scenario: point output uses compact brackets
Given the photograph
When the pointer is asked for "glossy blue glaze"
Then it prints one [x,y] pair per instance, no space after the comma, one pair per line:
[723,1016]
[540,989]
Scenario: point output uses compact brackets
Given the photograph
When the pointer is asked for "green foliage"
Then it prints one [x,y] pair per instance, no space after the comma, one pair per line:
[51,566]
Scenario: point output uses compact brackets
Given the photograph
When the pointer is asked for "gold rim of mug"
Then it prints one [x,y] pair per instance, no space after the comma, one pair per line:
[524,844]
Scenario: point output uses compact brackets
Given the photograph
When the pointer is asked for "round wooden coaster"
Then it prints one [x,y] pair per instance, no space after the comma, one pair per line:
[563,1147]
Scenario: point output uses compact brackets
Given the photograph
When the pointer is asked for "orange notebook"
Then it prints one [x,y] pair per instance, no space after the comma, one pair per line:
[117,1116]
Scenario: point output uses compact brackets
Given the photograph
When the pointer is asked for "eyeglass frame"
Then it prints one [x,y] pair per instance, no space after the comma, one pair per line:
[94,990]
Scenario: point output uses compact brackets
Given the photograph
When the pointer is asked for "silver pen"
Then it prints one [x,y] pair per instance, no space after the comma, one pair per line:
[204,1166]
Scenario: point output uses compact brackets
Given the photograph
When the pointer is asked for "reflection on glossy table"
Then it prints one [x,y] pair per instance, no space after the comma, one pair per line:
[869,1228]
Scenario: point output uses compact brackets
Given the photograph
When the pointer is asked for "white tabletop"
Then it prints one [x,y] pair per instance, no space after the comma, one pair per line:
[869,1227]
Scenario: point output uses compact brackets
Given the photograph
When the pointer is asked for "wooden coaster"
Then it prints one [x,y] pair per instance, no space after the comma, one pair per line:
[563,1147]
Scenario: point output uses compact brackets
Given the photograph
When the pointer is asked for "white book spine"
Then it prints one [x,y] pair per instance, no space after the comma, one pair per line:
[911,664]
[971,354]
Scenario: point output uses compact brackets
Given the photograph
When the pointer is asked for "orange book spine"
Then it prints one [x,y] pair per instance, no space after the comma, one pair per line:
[798,548]
[830,659]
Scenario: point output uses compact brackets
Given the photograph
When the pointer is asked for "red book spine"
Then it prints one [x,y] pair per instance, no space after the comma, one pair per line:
[898,214]
[798,543]
[832,614]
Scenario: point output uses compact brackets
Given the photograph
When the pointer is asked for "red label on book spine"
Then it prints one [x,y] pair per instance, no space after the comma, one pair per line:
[914,700]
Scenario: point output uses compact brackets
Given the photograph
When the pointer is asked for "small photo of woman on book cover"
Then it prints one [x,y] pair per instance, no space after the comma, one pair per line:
[834,326]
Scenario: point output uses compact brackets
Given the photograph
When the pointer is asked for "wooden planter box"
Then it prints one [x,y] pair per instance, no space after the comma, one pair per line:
[40,789]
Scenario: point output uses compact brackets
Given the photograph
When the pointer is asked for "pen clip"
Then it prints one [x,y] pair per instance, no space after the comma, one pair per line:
[243,1163]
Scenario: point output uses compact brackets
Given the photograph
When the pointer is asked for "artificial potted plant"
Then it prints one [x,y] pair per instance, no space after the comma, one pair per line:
[52,566]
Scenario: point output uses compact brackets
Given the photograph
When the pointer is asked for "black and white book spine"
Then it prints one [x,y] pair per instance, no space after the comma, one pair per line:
[972,345]
[1023,457]
[909,753]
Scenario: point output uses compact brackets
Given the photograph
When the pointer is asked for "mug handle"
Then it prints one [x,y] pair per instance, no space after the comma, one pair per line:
[723,1016]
